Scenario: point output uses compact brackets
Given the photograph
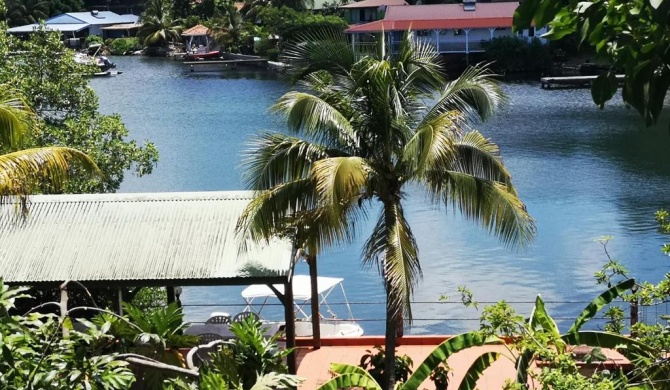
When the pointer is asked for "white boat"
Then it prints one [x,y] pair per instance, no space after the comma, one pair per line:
[102,62]
[330,327]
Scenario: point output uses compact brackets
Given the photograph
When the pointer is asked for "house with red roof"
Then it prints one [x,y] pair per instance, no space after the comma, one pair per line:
[451,28]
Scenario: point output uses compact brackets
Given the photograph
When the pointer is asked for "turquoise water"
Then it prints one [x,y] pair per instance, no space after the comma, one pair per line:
[583,173]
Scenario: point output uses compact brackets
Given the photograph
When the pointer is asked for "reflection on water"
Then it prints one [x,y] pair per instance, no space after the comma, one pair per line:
[583,173]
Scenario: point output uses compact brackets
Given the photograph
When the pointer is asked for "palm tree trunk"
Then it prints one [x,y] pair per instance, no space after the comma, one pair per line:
[390,341]
[316,315]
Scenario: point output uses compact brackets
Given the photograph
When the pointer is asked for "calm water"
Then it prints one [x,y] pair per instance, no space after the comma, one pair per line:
[583,173]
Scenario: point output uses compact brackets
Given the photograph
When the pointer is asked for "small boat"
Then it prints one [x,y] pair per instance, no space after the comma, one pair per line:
[102,62]
[330,327]
[210,55]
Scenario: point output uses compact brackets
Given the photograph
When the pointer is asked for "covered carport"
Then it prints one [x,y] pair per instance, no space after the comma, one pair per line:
[138,240]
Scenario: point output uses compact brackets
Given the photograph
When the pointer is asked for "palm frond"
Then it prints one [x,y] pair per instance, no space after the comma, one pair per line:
[19,171]
[393,248]
[493,204]
[324,49]
[275,159]
[340,181]
[432,144]
[14,117]
[317,118]
[474,93]
[480,157]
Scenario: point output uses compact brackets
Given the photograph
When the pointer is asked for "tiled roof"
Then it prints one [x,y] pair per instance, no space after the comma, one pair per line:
[374,3]
[134,238]
[441,16]
[195,31]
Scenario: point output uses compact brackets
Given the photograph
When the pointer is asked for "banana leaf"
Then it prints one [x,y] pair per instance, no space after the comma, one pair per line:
[477,369]
[601,301]
[443,351]
[349,376]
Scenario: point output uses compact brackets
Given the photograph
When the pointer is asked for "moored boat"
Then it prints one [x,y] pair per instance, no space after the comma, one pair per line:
[329,327]
[210,55]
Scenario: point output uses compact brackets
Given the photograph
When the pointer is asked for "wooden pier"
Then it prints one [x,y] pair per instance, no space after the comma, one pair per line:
[573,81]
[227,62]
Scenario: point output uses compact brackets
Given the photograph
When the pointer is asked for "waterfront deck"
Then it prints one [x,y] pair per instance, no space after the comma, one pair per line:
[572,81]
[314,365]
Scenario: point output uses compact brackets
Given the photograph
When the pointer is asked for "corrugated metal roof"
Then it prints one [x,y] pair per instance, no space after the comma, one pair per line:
[28,28]
[100,17]
[374,3]
[123,26]
[134,237]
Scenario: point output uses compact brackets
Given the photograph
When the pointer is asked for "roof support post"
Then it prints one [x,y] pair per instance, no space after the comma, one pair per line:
[437,41]
[316,314]
[171,295]
[467,46]
[289,316]
[491,30]
[120,301]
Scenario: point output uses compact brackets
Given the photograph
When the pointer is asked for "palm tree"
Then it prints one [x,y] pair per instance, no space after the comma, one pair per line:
[22,170]
[228,26]
[363,134]
[158,24]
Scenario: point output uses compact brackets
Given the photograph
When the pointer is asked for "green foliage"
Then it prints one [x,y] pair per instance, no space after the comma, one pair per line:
[121,46]
[360,132]
[93,39]
[375,364]
[58,92]
[156,334]
[663,220]
[290,24]
[36,355]
[514,54]
[631,34]
[440,376]
[20,12]
[349,376]
[159,25]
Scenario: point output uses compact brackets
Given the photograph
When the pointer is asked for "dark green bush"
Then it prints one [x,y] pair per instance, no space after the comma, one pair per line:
[92,39]
[289,23]
[121,46]
[273,54]
[513,54]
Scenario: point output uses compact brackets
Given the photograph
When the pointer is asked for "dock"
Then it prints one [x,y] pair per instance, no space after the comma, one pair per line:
[228,62]
[573,81]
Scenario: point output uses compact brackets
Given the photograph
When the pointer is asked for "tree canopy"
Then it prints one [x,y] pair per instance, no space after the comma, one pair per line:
[634,35]
[56,89]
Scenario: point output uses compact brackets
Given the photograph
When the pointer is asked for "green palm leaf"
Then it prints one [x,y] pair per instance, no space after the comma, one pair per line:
[20,170]
[349,376]
[14,117]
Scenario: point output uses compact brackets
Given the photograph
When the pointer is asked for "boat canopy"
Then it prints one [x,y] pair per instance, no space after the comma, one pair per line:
[301,288]
[302,294]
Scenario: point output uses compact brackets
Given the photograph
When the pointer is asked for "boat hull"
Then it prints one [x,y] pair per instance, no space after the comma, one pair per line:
[329,328]
[212,55]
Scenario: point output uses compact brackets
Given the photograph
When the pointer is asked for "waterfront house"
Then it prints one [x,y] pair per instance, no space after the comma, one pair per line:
[367,11]
[78,25]
[451,28]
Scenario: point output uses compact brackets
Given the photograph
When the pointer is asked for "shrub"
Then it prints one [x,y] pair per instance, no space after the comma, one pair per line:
[512,54]
[289,23]
[273,54]
[93,39]
[122,46]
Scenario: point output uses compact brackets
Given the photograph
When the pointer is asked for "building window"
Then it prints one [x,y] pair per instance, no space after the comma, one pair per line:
[458,31]
[422,33]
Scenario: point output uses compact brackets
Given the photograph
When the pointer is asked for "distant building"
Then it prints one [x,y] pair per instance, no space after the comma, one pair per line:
[367,11]
[450,28]
[77,25]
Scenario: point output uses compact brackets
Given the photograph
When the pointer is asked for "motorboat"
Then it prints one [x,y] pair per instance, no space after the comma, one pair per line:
[201,56]
[257,296]
[103,63]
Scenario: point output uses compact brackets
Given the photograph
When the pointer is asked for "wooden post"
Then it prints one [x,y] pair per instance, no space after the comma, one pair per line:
[120,302]
[171,296]
[290,326]
[316,314]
